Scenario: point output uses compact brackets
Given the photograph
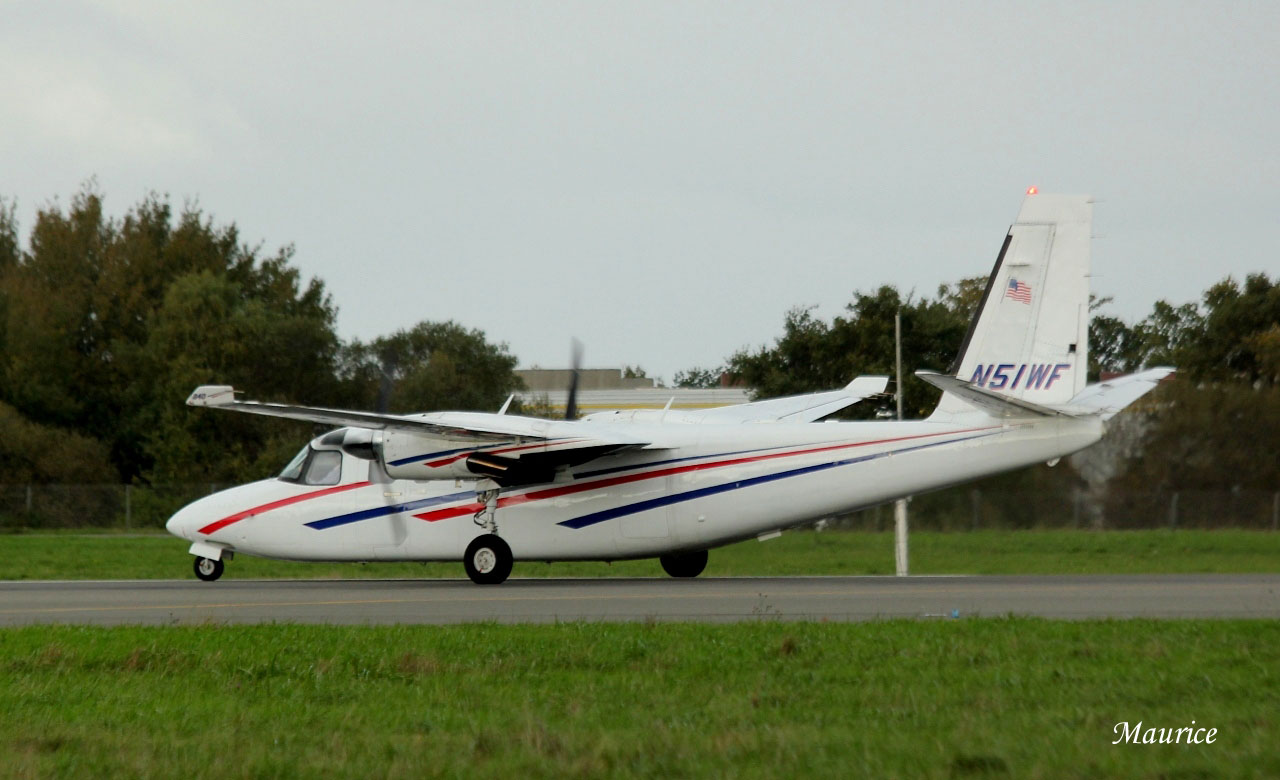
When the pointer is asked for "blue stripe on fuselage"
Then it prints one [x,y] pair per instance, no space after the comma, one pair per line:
[676,498]
[432,455]
[390,509]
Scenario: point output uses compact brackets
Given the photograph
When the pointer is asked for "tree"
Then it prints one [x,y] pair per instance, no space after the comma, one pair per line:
[1227,352]
[93,341]
[208,330]
[431,366]
[812,355]
[30,452]
[699,377]
[1229,341]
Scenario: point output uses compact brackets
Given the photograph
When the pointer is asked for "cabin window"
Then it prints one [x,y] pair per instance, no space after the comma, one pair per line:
[324,468]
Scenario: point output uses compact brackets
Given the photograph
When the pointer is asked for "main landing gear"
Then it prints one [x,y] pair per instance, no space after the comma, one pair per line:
[208,569]
[488,560]
[687,564]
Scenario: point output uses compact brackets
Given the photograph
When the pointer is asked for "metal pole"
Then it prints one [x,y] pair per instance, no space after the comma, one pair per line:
[1173,511]
[897,347]
[899,506]
[128,507]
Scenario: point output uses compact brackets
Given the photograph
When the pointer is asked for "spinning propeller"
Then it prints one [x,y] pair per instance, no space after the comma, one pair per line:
[575,365]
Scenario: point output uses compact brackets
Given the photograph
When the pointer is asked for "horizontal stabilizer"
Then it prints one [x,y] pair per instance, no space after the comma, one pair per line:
[987,400]
[1103,399]
[1107,399]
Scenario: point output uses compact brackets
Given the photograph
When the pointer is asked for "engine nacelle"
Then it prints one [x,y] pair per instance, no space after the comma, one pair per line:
[414,456]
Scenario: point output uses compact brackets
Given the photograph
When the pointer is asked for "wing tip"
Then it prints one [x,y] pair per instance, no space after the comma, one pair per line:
[212,395]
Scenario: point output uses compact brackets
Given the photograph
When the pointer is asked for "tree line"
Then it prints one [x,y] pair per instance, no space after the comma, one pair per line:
[107,324]
[1214,428]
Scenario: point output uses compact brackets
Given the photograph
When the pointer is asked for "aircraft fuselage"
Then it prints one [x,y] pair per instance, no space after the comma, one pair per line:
[726,483]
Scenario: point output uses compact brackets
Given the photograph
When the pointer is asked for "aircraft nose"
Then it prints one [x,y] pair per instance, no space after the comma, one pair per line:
[179,524]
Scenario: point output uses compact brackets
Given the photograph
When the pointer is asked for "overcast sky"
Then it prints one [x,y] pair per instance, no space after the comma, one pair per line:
[662,181]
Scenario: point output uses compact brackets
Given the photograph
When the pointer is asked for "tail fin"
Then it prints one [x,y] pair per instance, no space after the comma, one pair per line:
[1029,338]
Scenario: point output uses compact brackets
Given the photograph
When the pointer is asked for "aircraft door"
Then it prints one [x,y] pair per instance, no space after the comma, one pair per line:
[686,521]
[643,528]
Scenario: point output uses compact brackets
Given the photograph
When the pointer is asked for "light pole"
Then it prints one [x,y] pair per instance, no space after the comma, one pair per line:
[899,506]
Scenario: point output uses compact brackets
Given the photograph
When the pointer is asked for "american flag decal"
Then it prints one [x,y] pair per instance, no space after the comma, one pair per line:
[1018,291]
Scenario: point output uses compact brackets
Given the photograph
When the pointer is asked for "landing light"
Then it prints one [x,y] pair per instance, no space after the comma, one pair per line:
[1032,190]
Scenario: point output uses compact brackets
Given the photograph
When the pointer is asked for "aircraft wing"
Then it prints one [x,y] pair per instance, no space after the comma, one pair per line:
[795,408]
[454,426]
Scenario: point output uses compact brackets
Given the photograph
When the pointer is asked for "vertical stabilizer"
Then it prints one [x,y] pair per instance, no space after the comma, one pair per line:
[1029,338]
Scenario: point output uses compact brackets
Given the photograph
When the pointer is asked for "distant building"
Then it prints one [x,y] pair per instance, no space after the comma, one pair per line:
[545,379]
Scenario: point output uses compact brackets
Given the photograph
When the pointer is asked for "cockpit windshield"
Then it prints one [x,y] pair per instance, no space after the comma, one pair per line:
[293,471]
[314,467]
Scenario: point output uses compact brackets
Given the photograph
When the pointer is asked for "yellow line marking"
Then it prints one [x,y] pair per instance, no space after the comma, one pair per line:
[355,602]
[589,597]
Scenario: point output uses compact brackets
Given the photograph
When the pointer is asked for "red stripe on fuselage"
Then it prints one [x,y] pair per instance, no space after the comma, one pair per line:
[538,495]
[238,516]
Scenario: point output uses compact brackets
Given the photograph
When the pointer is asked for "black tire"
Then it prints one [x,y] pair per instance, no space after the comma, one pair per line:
[689,564]
[208,569]
[488,560]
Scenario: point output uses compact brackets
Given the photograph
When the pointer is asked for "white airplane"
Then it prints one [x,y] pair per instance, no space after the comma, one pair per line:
[490,489]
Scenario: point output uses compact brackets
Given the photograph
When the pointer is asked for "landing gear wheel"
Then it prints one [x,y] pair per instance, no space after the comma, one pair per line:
[689,564]
[208,569]
[488,560]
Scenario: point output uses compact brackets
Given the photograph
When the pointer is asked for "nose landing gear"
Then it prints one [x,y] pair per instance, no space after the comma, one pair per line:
[208,569]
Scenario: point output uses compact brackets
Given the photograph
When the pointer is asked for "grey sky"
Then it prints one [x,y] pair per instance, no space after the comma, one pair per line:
[662,181]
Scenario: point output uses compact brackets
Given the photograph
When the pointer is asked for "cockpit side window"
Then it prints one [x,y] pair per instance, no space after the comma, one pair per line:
[324,468]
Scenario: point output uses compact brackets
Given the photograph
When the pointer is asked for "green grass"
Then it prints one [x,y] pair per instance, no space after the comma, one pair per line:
[966,698]
[156,556]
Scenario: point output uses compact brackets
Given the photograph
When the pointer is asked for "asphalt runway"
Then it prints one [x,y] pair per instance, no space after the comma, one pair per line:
[162,602]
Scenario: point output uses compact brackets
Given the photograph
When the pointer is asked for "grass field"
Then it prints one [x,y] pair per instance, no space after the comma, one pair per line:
[965,698]
[158,556]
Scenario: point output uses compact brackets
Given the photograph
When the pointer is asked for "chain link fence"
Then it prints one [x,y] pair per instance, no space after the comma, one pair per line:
[955,509]
[95,506]
[972,509]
